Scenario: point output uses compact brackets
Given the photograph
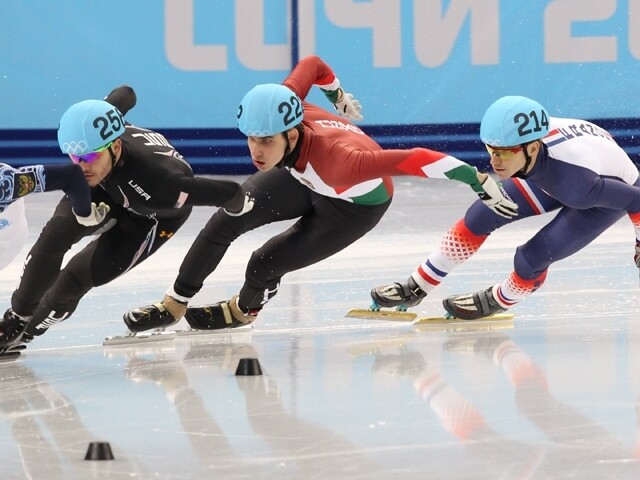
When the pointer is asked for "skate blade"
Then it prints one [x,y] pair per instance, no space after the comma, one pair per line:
[500,321]
[9,356]
[143,337]
[193,332]
[431,320]
[17,348]
[381,315]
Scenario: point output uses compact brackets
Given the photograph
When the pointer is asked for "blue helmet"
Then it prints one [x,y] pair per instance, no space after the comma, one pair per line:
[269,109]
[512,121]
[88,125]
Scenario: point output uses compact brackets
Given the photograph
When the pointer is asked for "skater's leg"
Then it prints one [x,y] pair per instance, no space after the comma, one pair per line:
[570,231]
[460,243]
[316,236]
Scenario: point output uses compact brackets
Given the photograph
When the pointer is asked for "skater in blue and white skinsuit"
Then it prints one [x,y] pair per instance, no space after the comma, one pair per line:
[546,164]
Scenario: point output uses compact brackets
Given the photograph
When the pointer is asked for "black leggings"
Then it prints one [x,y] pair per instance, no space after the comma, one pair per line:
[326,225]
[51,294]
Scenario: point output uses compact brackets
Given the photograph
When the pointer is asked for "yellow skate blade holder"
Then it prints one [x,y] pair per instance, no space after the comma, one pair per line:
[381,314]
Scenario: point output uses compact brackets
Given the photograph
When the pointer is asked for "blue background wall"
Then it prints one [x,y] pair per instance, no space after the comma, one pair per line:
[424,70]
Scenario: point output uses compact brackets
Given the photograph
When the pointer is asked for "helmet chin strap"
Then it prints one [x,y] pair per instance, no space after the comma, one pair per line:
[114,160]
[527,161]
[291,154]
[287,149]
[113,157]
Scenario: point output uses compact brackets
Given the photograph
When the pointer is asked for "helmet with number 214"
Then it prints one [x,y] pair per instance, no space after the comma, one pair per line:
[512,121]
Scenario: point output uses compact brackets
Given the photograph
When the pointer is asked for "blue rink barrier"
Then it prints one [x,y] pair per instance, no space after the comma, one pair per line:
[223,151]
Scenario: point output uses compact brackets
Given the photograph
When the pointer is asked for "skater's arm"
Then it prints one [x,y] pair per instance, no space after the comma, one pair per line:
[207,191]
[312,70]
[18,182]
[192,191]
[70,179]
[361,165]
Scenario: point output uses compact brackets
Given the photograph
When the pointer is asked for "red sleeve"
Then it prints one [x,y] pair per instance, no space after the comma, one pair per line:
[340,164]
[359,166]
[308,72]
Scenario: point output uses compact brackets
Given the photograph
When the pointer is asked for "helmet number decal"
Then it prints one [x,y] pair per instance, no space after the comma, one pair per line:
[113,121]
[523,121]
[292,110]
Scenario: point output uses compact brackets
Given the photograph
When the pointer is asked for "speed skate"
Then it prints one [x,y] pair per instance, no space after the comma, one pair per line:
[414,319]
[161,335]
[12,353]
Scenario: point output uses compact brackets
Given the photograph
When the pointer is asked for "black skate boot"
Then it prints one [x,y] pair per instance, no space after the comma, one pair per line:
[12,332]
[472,306]
[399,294]
[224,314]
[148,318]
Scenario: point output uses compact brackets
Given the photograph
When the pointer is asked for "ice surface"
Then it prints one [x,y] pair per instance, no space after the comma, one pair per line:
[554,396]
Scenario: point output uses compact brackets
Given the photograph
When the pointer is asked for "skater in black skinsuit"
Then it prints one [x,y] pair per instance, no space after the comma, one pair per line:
[144,190]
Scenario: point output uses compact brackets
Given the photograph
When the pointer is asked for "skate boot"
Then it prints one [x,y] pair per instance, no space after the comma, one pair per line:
[400,294]
[159,315]
[471,306]
[12,331]
[224,314]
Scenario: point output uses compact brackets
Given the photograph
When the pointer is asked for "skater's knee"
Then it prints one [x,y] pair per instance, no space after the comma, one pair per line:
[529,266]
[481,220]
[68,289]
[260,269]
[223,229]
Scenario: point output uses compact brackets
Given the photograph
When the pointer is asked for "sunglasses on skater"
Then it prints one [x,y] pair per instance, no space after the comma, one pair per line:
[504,153]
[89,157]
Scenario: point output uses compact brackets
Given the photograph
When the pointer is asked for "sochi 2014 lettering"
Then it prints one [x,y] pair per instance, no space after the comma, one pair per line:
[566,33]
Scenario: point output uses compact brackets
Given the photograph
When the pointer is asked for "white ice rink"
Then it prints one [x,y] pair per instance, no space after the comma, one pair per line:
[554,395]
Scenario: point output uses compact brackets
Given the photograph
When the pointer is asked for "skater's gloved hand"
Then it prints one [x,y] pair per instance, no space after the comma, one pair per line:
[493,197]
[345,104]
[17,182]
[348,106]
[97,215]
[636,256]
[246,206]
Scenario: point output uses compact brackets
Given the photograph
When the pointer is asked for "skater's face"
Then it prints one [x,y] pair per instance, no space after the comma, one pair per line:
[508,161]
[99,166]
[267,152]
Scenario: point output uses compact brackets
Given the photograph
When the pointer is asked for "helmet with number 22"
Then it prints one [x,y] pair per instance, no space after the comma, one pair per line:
[269,109]
[89,125]
[512,121]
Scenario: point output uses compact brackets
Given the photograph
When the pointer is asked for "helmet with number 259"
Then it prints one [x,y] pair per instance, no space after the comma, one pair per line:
[269,109]
[513,120]
[89,125]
